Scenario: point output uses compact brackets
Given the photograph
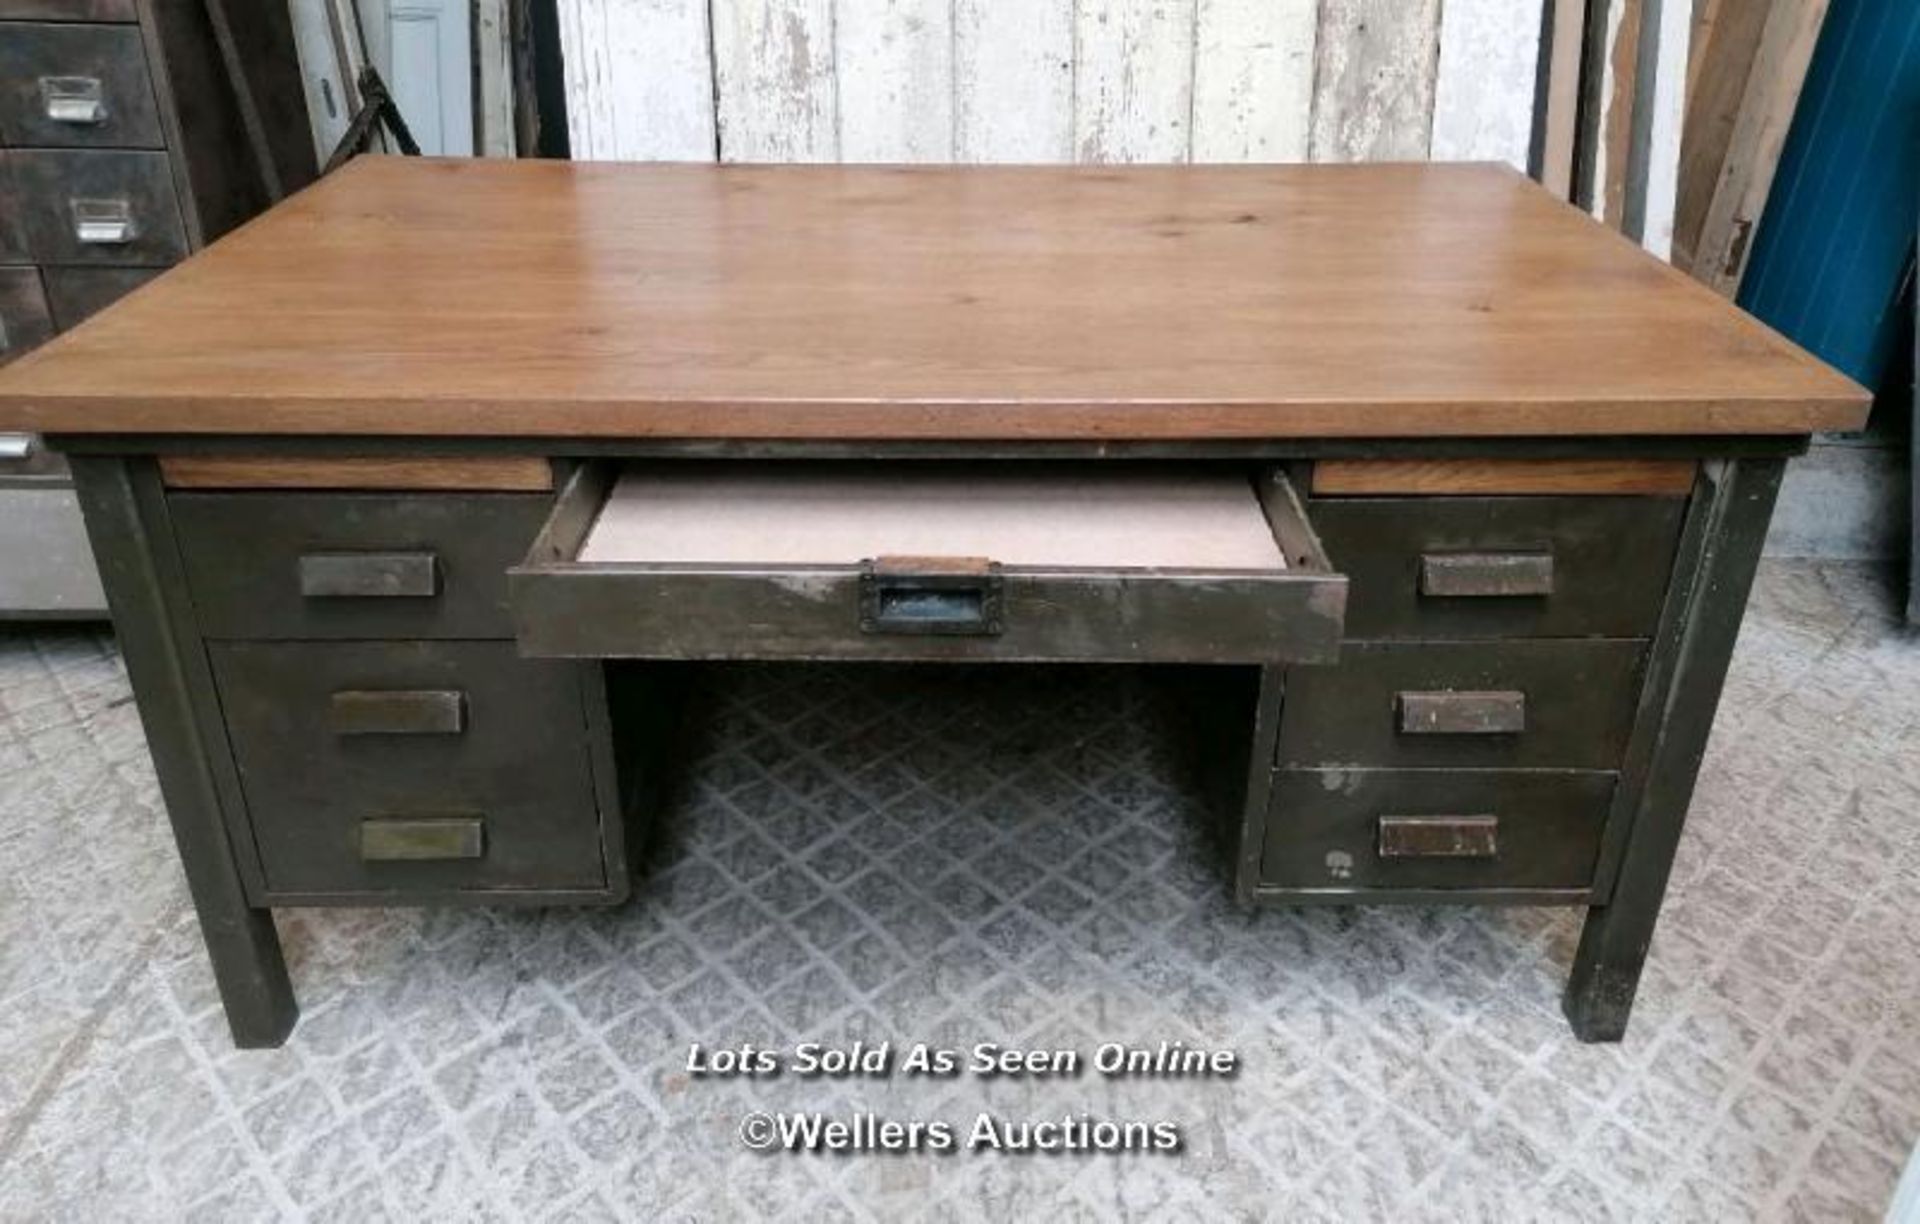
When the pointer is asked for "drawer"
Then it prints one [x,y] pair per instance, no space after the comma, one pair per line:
[46,564]
[1469,567]
[1340,830]
[69,10]
[95,207]
[381,767]
[928,562]
[76,87]
[24,319]
[353,565]
[76,294]
[1521,704]
[13,228]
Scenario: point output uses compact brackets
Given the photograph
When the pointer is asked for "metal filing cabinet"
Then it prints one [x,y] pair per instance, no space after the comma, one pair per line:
[125,144]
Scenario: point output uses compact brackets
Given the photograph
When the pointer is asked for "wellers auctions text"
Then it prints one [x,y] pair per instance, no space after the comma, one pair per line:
[986,1134]
[987,1060]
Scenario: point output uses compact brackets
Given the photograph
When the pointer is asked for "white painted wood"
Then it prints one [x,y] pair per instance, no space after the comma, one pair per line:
[1669,101]
[423,50]
[1484,89]
[1013,80]
[493,79]
[1373,80]
[894,63]
[774,78]
[1133,92]
[1253,80]
[638,78]
[329,106]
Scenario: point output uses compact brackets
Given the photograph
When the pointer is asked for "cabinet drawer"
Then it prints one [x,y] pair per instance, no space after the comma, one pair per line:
[1454,567]
[384,767]
[69,10]
[76,87]
[76,294]
[95,207]
[986,563]
[353,565]
[1465,705]
[13,228]
[24,320]
[1340,830]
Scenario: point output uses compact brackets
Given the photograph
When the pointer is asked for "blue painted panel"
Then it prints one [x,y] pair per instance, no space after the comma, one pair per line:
[1837,239]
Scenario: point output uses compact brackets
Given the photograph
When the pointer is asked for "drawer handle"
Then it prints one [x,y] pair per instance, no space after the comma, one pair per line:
[399,712]
[940,596]
[14,446]
[77,100]
[370,575]
[1486,575]
[415,839]
[1450,712]
[1450,837]
[103,222]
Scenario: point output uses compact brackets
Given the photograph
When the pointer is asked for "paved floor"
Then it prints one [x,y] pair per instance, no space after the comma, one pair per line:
[1002,857]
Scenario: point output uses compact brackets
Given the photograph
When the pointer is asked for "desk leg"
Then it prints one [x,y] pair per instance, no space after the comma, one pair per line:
[140,569]
[1709,596]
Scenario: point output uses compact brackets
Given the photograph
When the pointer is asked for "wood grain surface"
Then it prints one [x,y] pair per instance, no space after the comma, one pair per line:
[551,299]
[499,474]
[1442,477]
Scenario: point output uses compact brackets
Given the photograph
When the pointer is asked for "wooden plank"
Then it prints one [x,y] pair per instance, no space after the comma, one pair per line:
[1133,90]
[1253,80]
[505,473]
[894,67]
[1483,92]
[774,80]
[1744,176]
[493,80]
[1428,477]
[1373,80]
[548,299]
[1557,120]
[1013,81]
[639,80]
[1664,99]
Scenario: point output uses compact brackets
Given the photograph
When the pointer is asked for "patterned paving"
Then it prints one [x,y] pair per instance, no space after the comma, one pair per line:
[960,857]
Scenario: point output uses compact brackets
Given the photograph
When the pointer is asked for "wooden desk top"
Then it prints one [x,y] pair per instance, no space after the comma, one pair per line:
[589,300]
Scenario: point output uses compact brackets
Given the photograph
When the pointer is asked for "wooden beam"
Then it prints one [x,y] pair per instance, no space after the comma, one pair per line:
[1493,477]
[498,474]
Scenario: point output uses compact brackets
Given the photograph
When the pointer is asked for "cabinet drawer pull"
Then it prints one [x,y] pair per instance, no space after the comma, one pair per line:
[955,596]
[14,446]
[103,222]
[389,839]
[399,712]
[370,575]
[77,100]
[1451,837]
[1449,712]
[1486,575]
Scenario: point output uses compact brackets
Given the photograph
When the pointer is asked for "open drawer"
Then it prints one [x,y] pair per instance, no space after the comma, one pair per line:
[1012,562]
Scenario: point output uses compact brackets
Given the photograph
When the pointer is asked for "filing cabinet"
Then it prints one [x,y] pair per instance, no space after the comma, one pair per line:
[123,148]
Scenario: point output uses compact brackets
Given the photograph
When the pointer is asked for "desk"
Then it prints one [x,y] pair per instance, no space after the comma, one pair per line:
[416,497]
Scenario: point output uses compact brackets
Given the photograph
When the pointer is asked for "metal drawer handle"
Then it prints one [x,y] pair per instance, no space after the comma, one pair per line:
[399,712]
[74,99]
[370,575]
[390,839]
[1451,837]
[16,446]
[1451,712]
[940,596]
[1486,575]
[103,222]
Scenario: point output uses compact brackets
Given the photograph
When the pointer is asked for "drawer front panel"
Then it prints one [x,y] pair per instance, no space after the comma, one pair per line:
[1330,829]
[99,208]
[24,319]
[1465,705]
[1469,567]
[76,87]
[76,294]
[69,10]
[13,226]
[349,790]
[353,565]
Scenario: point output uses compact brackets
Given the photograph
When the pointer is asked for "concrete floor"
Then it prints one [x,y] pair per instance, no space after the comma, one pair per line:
[984,858]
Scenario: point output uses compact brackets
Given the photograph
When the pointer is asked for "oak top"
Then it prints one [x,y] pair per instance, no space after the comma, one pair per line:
[552,299]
